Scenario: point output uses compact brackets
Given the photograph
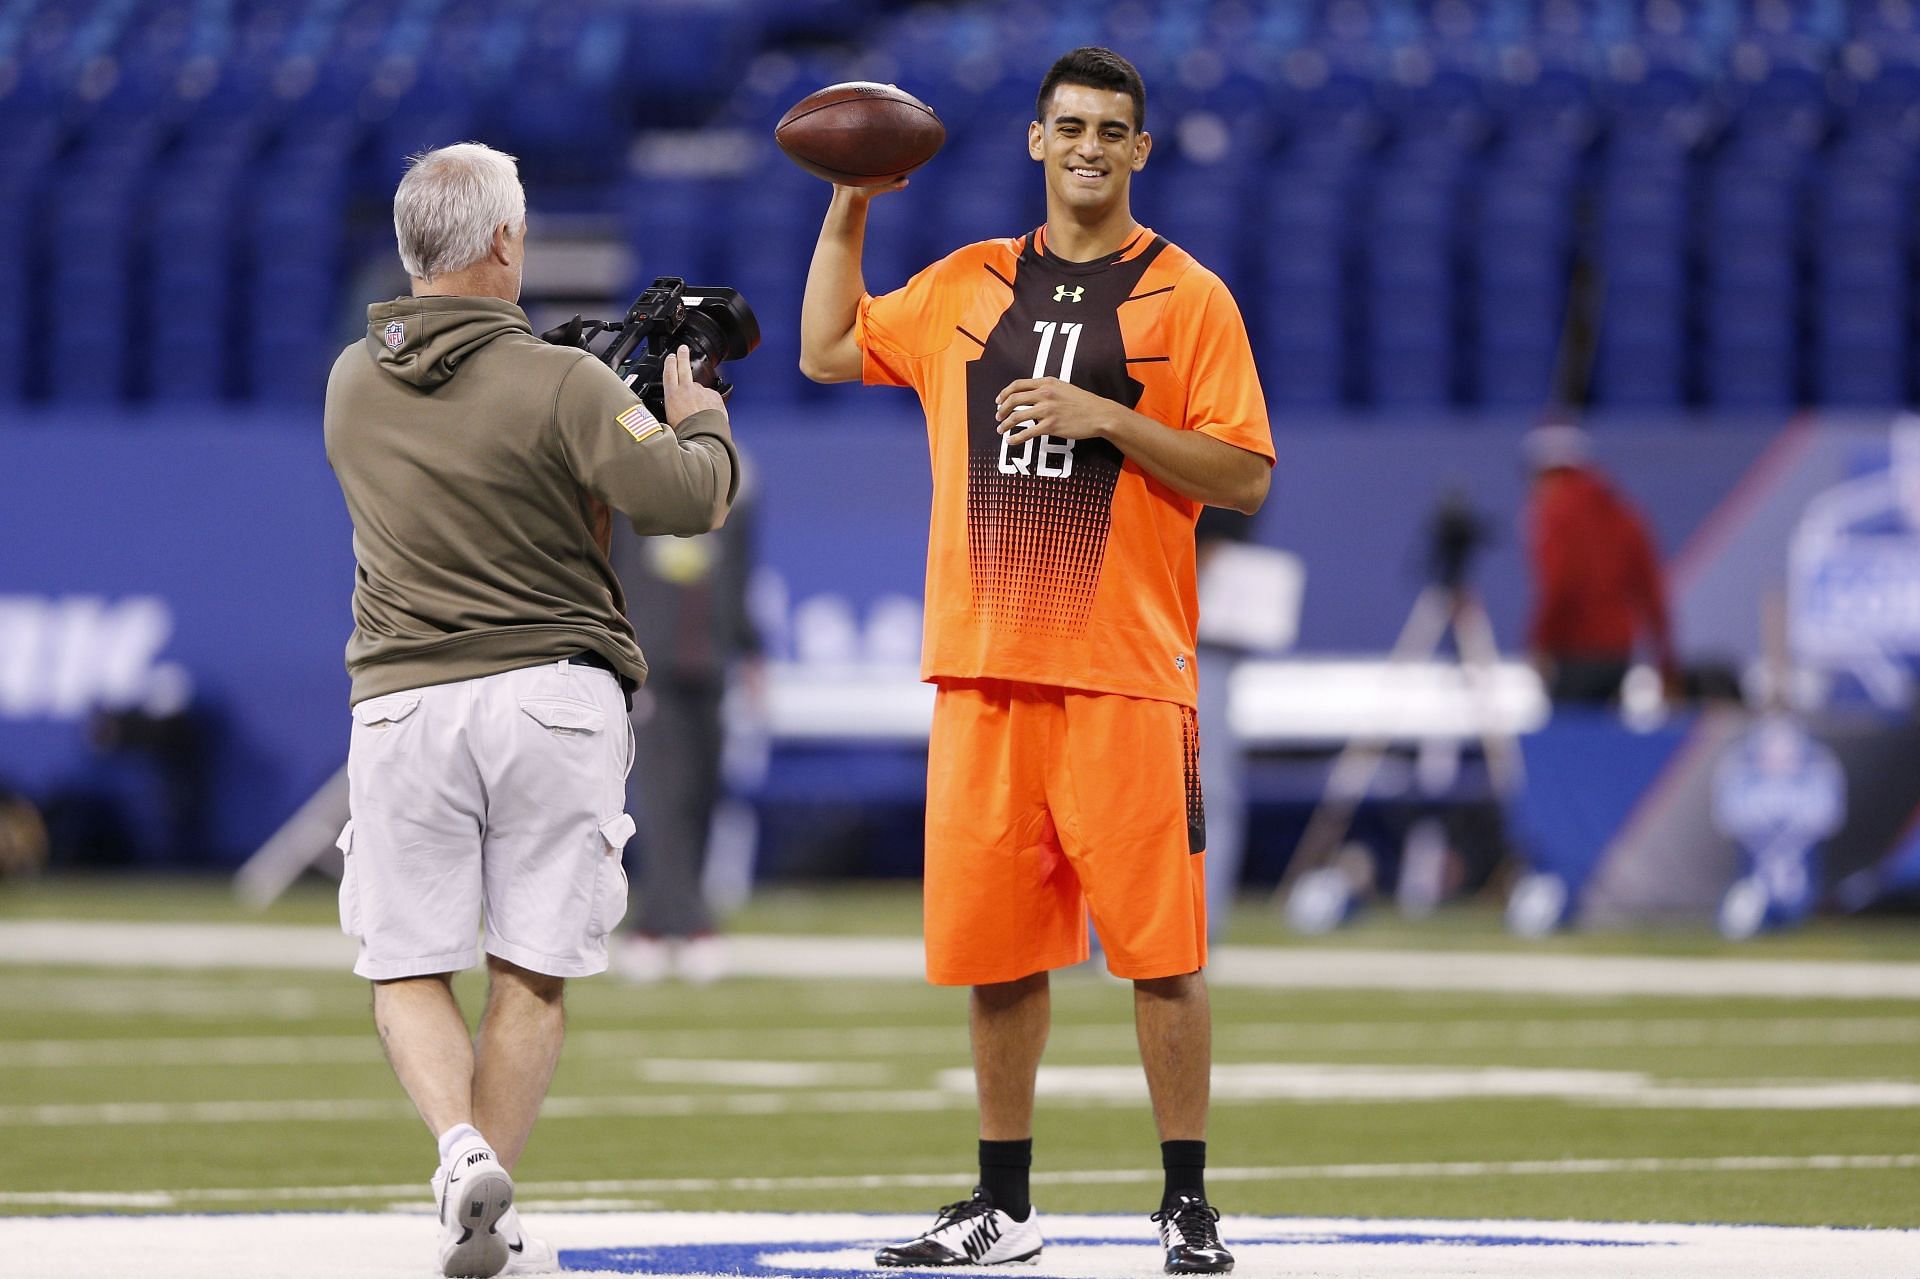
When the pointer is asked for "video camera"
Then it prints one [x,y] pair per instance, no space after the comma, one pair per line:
[1455,534]
[714,324]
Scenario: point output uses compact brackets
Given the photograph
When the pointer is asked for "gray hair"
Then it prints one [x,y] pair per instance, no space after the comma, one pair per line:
[1556,445]
[450,203]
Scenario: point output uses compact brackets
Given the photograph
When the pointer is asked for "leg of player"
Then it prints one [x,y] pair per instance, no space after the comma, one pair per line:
[426,1041]
[519,1046]
[1008,1023]
[1174,1022]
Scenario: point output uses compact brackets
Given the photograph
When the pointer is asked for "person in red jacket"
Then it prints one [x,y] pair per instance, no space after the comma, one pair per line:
[1597,581]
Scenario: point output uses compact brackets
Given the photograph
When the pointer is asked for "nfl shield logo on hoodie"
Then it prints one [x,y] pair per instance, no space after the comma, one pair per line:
[396,333]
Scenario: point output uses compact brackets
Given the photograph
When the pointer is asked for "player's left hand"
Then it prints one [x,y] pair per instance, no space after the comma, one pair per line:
[1047,406]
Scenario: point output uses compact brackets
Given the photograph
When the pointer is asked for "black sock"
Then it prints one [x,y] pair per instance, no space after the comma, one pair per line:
[1003,1174]
[1186,1165]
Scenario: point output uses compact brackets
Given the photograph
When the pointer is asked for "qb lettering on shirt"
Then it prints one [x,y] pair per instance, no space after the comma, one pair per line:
[1055,459]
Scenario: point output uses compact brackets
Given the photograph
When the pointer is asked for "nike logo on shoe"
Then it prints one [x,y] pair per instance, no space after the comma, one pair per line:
[983,1237]
[970,1233]
[477,1157]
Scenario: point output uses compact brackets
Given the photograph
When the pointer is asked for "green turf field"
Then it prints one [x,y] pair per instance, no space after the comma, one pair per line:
[241,1089]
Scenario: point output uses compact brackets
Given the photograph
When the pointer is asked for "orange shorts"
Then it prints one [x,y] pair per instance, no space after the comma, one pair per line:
[1044,804]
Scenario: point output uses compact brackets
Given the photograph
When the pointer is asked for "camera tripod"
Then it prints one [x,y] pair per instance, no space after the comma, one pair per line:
[1444,606]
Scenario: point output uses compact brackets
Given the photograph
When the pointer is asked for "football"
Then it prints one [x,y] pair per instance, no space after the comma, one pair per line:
[860,134]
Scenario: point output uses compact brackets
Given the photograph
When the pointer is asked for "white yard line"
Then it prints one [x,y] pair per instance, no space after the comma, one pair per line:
[1521,972]
[840,1043]
[1609,1032]
[1244,1082]
[359,1110]
[780,1090]
[406,1194]
[733,1073]
[262,946]
[129,944]
[125,994]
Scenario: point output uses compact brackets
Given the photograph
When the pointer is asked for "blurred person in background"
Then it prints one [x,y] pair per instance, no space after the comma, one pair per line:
[687,601]
[1088,387]
[491,662]
[1598,587]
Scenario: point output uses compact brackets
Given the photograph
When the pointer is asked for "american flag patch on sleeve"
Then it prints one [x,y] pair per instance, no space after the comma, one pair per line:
[640,424]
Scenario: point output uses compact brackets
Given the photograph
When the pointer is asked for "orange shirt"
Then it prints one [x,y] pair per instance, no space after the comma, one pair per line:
[1059,561]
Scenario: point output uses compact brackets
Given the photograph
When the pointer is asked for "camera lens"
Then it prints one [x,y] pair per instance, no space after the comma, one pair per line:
[705,343]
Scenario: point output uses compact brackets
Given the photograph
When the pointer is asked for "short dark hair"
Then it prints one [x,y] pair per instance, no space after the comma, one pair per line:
[1096,68]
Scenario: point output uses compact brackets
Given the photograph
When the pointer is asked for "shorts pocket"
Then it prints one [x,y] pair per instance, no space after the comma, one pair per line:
[610,884]
[384,712]
[564,718]
[349,883]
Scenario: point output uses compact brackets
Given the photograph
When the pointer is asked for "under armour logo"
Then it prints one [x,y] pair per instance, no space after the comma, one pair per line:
[1061,293]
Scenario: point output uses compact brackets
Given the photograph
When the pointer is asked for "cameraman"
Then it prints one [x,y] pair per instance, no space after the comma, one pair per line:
[491,664]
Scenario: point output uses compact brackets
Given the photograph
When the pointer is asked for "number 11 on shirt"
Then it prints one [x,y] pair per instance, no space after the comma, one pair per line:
[1055,459]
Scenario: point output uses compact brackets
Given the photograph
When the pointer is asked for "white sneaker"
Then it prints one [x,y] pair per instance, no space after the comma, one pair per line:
[526,1255]
[644,961]
[970,1233]
[474,1193]
[702,960]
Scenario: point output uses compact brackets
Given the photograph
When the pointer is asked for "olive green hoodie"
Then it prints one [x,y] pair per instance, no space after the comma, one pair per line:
[478,464]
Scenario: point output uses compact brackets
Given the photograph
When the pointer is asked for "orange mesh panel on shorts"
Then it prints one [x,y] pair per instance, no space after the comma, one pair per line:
[1196,802]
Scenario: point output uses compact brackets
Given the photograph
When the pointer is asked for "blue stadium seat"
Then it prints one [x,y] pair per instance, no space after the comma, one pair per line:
[92,225]
[294,233]
[670,225]
[1641,374]
[28,144]
[774,215]
[1394,202]
[1413,343]
[1302,374]
[1203,208]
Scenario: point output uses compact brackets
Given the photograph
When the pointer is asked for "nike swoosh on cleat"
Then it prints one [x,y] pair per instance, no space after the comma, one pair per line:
[516,1247]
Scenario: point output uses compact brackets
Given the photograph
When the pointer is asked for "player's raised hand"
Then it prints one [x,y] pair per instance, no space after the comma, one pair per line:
[1047,406]
[860,195]
[684,397]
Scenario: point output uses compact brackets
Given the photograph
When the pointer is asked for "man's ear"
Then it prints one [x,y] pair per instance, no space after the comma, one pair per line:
[1142,147]
[1036,140]
[503,238]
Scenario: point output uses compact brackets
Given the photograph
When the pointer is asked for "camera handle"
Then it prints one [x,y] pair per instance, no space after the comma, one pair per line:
[580,333]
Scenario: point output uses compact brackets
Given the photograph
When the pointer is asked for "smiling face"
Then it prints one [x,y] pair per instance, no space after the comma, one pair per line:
[1090,149]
